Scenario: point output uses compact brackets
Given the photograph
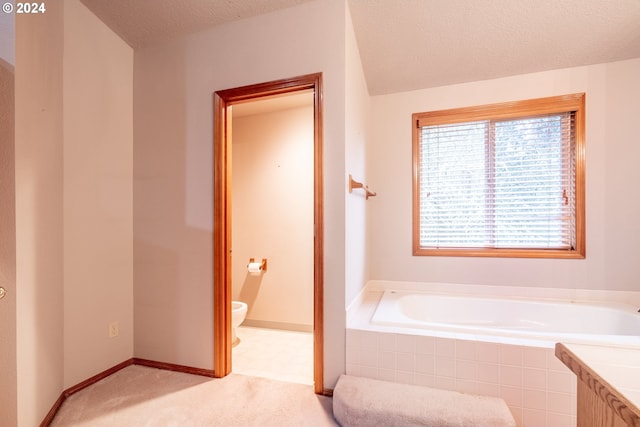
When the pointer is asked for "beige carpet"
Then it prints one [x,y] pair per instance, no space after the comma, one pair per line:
[141,396]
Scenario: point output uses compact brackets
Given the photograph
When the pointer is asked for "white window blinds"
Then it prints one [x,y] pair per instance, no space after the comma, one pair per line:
[506,183]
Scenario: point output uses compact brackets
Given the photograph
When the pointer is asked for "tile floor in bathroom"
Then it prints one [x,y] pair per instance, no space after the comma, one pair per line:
[273,353]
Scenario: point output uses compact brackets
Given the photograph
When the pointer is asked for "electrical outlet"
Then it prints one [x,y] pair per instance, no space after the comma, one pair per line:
[113,329]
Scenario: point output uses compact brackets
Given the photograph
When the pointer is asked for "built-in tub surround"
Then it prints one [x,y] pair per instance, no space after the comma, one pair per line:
[524,371]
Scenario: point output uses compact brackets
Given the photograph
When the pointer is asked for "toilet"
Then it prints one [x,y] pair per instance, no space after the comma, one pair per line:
[238,313]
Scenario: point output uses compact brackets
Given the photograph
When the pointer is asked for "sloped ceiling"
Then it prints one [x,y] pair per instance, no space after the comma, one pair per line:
[141,22]
[412,44]
[409,44]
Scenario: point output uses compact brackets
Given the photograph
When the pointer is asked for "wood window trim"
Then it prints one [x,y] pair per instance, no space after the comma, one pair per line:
[506,110]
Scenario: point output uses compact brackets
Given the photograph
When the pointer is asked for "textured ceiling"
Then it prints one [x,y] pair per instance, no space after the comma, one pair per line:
[140,22]
[409,44]
[413,44]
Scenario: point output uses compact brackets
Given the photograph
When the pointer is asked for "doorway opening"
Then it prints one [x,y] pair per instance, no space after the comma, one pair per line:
[223,102]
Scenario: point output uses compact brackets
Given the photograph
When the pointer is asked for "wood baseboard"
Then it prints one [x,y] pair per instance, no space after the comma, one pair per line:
[104,374]
[94,379]
[76,388]
[173,367]
[53,411]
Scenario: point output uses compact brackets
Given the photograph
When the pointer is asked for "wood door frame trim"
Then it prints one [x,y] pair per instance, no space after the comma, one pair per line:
[222,218]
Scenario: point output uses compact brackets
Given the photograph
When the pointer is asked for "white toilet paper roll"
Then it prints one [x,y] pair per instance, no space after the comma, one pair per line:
[254,267]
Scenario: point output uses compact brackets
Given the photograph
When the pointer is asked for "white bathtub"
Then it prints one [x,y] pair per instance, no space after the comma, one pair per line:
[488,340]
[552,320]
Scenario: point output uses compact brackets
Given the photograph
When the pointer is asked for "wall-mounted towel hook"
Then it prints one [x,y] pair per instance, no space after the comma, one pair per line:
[355,184]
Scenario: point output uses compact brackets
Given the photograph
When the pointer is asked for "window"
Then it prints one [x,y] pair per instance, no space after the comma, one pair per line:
[503,180]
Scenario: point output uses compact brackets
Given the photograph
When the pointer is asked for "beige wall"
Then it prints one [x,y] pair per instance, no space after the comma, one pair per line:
[8,38]
[356,135]
[8,378]
[613,104]
[173,174]
[98,195]
[39,206]
[73,176]
[273,216]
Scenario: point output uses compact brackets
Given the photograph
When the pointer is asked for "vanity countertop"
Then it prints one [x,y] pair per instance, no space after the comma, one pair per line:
[612,373]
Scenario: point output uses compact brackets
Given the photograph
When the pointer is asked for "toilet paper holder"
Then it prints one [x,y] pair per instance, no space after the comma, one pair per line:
[261,267]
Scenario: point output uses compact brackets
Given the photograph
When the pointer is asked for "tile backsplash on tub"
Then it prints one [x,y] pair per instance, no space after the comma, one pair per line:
[537,387]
